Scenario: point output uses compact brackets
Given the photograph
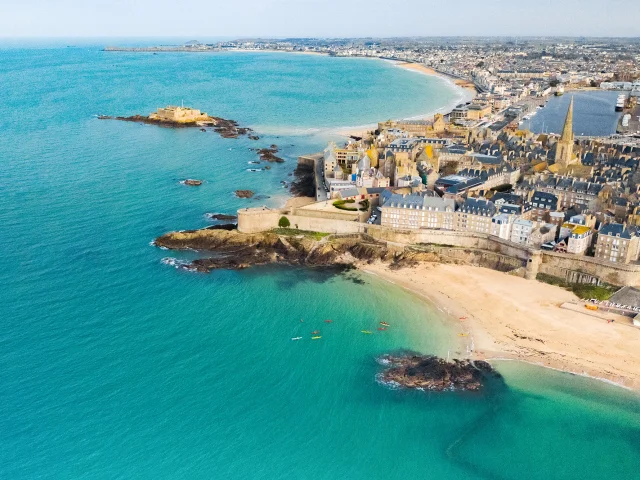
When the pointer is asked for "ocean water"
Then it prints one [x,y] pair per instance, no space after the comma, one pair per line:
[116,365]
[593,114]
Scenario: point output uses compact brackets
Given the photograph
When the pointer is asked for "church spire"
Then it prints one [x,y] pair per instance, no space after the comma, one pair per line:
[567,131]
[564,147]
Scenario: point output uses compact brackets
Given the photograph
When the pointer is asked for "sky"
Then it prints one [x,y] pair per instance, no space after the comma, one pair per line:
[196,19]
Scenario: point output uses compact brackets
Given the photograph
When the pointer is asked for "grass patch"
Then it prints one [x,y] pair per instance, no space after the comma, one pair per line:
[581,290]
[599,292]
[292,232]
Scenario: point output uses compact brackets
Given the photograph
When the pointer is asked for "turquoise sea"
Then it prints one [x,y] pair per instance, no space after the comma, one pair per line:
[113,365]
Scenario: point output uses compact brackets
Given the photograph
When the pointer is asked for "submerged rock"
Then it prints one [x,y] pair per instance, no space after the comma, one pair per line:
[428,372]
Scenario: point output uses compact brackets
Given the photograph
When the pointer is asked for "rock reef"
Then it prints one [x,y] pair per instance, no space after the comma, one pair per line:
[192,182]
[235,250]
[244,193]
[221,216]
[224,127]
[427,372]
[269,154]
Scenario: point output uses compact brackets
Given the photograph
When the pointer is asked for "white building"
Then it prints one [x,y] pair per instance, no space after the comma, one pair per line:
[501,225]
[521,231]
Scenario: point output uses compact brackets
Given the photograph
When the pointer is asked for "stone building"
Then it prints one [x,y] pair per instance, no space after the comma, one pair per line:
[417,211]
[475,215]
[617,243]
[179,115]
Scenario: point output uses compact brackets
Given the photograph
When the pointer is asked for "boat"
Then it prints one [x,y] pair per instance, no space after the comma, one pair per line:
[385,324]
[620,103]
[463,334]
[559,91]
[316,337]
[382,328]
[315,332]
[366,331]
[328,321]
[463,318]
[296,338]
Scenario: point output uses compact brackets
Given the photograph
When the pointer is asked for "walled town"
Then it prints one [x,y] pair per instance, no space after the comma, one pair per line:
[475,182]
[560,205]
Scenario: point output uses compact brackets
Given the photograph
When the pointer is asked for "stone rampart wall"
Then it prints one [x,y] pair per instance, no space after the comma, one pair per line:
[572,268]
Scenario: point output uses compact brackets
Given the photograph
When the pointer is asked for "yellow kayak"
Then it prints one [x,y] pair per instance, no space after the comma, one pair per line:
[463,334]
[366,331]
[315,338]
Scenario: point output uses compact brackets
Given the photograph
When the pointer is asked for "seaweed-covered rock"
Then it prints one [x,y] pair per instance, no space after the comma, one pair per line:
[428,372]
[244,193]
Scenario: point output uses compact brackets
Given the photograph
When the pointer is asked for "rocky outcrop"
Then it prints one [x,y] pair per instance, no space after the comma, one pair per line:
[244,193]
[221,216]
[269,154]
[224,127]
[192,182]
[233,250]
[427,372]
[304,183]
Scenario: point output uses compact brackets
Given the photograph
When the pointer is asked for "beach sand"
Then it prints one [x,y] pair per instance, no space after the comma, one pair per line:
[509,317]
[430,71]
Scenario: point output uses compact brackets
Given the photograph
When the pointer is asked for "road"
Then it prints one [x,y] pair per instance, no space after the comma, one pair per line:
[321,193]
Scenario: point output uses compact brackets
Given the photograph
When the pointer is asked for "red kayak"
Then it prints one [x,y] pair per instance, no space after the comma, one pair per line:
[382,328]
[328,321]
[315,332]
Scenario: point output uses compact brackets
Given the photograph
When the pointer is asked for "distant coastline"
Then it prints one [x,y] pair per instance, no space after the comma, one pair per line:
[466,88]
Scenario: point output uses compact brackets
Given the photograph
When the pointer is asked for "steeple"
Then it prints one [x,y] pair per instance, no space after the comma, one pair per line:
[564,147]
[567,130]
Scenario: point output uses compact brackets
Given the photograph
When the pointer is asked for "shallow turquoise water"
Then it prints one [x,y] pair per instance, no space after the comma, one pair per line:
[114,365]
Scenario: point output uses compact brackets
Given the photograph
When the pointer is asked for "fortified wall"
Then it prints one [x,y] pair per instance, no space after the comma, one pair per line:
[473,248]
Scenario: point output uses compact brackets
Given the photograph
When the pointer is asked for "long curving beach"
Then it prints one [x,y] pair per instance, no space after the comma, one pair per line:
[507,317]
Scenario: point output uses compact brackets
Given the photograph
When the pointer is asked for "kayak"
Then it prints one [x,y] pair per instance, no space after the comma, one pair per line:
[296,338]
[328,321]
[366,331]
[382,328]
[315,338]
[384,324]
[315,332]
[463,334]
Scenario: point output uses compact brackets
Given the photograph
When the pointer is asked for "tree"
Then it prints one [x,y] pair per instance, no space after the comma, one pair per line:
[284,222]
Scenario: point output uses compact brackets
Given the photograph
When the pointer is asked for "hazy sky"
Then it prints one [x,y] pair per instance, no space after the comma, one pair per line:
[193,19]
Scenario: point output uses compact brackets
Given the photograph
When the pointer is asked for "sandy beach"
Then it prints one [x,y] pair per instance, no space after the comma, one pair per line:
[360,130]
[430,71]
[507,317]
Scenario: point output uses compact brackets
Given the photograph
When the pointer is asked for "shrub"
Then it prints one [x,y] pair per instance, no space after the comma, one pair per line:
[284,222]
[340,204]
